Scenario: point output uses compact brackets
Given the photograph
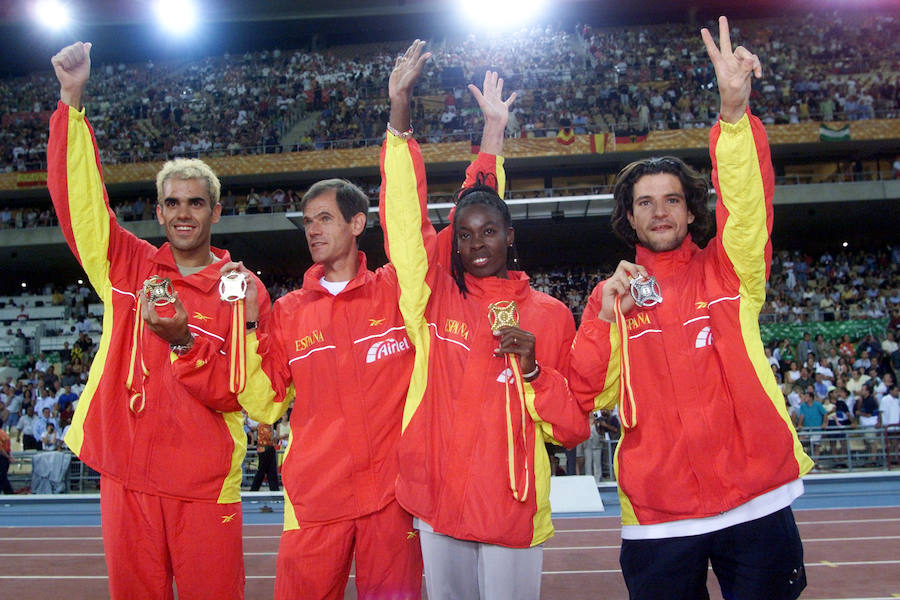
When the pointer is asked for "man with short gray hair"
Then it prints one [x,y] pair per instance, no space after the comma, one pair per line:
[337,350]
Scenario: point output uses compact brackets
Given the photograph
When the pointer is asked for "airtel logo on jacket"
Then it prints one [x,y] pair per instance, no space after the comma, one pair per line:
[384,348]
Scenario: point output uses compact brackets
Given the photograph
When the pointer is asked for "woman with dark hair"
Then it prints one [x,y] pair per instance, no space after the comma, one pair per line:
[485,393]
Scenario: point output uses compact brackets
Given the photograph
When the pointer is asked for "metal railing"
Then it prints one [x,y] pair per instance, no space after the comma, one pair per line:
[834,449]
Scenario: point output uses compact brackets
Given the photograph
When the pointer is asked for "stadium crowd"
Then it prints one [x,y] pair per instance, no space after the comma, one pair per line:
[824,67]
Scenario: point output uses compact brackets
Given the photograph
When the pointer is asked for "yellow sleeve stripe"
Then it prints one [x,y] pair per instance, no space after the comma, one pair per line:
[501,177]
[542,525]
[231,487]
[744,238]
[90,229]
[87,208]
[258,396]
[290,516]
[628,515]
[545,428]
[609,396]
[403,225]
[75,435]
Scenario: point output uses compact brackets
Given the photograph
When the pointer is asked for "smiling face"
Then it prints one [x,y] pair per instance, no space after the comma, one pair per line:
[483,240]
[659,214]
[186,213]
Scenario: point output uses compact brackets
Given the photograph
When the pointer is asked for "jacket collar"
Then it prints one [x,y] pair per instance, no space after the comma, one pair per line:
[313,275]
[669,262]
[492,289]
[205,280]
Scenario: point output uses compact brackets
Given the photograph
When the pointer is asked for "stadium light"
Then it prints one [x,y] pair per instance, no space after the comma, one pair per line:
[51,14]
[504,14]
[176,16]
[24,285]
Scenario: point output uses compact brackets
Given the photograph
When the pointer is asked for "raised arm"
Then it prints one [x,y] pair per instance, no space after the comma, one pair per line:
[487,168]
[742,172]
[76,184]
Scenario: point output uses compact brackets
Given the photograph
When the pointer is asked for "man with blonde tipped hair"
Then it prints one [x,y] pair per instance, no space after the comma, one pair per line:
[159,416]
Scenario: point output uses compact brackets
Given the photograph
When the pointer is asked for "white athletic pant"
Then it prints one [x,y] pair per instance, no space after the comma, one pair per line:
[463,570]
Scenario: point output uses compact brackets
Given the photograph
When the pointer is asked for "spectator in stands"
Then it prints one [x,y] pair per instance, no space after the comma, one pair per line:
[40,428]
[25,427]
[805,347]
[6,457]
[185,511]
[670,526]
[49,440]
[867,415]
[42,364]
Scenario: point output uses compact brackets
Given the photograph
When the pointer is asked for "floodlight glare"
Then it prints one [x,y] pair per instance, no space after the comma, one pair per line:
[51,14]
[501,13]
[176,16]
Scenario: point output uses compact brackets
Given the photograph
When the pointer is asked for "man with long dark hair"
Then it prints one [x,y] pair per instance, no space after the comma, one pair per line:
[708,461]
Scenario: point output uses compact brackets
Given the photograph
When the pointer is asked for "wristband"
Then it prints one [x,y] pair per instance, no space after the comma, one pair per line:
[251,325]
[182,349]
[403,135]
[529,377]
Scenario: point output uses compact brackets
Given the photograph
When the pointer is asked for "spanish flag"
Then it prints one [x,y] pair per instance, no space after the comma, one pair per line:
[599,142]
[565,136]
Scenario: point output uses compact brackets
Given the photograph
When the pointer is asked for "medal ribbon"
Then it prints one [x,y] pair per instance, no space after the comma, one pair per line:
[627,405]
[136,362]
[237,353]
[512,361]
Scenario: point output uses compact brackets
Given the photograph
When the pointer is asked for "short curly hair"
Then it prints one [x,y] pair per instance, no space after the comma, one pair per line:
[696,196]
[189,168]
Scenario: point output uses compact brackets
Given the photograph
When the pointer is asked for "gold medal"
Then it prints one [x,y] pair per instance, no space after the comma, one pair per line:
[503,314]
[159,291]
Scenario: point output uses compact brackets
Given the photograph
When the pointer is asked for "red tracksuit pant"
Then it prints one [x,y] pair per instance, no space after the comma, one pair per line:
[314,562]
[151,539]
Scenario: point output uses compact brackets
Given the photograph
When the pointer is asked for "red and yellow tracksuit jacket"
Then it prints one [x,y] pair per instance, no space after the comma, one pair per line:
[704,425]
[472,459]
[155,422]
[345,361]
[353,360]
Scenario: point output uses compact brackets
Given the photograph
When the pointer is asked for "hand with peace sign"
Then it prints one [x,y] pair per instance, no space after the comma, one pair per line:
[733,69]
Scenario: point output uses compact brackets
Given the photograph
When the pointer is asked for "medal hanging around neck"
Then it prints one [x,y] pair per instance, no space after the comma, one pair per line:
[233,288]
[505,314]
[160,293]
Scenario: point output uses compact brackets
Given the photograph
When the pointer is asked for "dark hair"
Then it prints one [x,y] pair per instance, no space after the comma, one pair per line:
[350,199]
[484,194]
[696,194]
